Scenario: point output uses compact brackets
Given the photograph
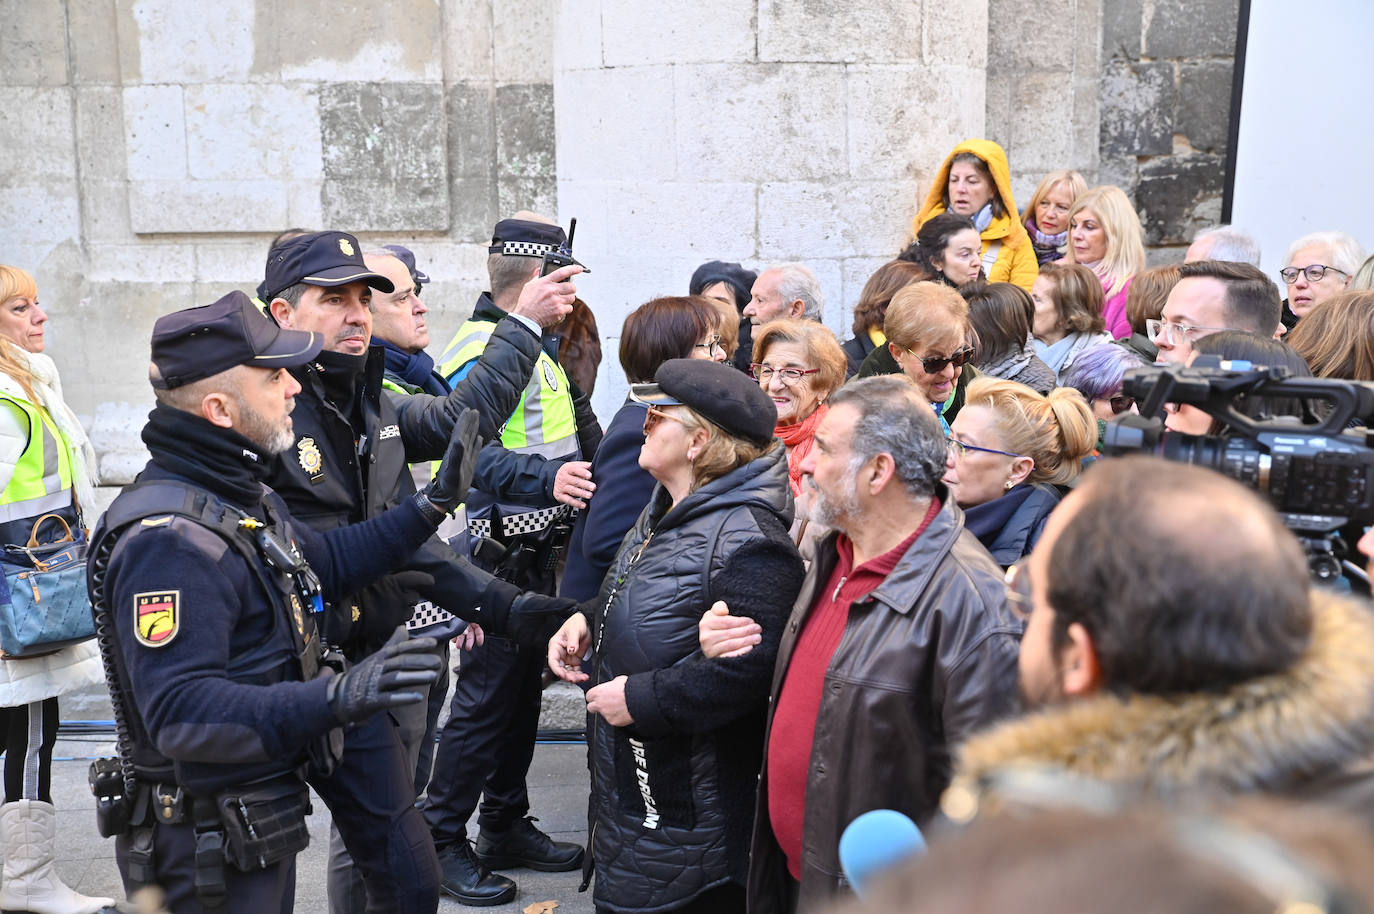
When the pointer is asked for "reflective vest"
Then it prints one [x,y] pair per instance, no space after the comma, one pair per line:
[42,480]
[543,422]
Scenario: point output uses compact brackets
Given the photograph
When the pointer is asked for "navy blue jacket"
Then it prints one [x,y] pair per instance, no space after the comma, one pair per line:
[1010,526]
[622,491]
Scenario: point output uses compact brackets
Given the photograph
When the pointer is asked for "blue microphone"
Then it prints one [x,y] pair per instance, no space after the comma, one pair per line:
[875,842]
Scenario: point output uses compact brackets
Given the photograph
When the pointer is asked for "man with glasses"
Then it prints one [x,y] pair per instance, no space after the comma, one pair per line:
[900,644]
[1182,650]
[1213,295]
[1317,267]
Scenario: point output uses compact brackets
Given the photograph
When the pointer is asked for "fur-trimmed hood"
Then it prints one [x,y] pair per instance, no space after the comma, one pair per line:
[1278,733]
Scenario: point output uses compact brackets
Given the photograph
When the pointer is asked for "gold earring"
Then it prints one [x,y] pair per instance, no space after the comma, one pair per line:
[1010,484]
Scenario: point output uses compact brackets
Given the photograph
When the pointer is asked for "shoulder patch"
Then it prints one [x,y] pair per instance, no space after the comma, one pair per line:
[157,617]
[389,431]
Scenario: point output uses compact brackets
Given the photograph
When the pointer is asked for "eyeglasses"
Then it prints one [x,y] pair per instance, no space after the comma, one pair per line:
[653,416]
[1018,586]
[1121,403]
[1314,272]
[710,346]
[936,364]
[959,449]
[762,371]
[1173,334]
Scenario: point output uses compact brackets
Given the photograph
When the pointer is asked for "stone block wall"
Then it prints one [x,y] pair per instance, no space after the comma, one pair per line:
[1165,109]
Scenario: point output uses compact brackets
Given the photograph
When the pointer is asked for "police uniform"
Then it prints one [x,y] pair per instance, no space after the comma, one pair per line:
[487,744]
[208,636]
[350,462]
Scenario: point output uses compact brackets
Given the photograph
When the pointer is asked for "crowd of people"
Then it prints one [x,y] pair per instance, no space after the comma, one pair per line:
[798,577]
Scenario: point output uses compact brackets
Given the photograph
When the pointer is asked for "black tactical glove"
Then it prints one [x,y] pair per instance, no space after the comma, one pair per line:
[384,680]
[449,487]
[530,618]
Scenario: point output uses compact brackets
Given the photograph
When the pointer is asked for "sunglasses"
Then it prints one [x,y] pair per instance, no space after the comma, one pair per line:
[1121,404]
[653,416]
[936,364]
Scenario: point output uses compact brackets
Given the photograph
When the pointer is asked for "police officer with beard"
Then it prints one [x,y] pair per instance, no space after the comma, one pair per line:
[349,461]
[205,591]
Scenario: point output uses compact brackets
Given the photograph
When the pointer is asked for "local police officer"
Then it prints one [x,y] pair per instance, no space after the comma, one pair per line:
[487,743]
[353,441]
[206,592]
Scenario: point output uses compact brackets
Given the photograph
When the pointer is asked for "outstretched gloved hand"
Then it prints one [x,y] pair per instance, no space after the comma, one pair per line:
[452,480]
[386,679]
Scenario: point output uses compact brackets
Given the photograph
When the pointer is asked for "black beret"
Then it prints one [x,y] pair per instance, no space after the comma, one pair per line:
[198,342]
[318,259]
[715,391]
[740,280]
[525,238]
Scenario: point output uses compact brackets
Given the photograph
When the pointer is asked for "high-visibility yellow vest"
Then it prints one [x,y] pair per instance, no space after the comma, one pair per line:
[42,480]
[544,422]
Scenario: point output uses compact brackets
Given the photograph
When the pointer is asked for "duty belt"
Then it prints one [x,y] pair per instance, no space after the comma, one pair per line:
[522,524]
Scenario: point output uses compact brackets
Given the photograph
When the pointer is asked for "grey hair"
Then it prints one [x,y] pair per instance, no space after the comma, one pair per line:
[895,419]
[1230,243]
[292,294]
[1346,253]
[797,281]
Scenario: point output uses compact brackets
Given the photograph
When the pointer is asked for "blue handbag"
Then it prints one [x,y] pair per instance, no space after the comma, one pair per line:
[44,606]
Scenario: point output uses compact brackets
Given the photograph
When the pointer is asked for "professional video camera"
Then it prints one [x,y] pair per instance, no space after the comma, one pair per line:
[1316,471]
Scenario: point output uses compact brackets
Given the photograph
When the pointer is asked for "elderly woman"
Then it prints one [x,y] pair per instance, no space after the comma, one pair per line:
[1001,315]
[1105,236]
[1068,314]
[37,433]
[947,249]
[653,333]
[1336,338]
[1317,267]
[1047,213]
[871,308]
[1008,448]
[930,340]
[675,740]
[975,181]
[798,364]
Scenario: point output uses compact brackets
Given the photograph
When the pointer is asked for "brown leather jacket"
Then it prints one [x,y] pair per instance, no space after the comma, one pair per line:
[926,659]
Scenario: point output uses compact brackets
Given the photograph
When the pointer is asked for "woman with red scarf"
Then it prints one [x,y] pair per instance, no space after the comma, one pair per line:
[799,364]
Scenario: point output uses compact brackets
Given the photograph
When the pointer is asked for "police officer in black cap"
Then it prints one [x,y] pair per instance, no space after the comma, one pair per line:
[206,593]
[349,461]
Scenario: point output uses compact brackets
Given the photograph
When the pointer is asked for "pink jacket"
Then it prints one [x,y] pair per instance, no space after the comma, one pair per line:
[1114,309]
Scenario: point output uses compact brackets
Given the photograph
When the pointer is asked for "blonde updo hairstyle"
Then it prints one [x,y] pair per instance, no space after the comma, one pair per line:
[1056,430]
[926,311]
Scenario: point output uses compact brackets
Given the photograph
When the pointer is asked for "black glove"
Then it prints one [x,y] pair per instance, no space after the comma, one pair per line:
[384,680]
[449,487]
[530,618]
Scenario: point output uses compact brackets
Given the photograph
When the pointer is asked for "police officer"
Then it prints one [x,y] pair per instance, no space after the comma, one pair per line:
[206,590]
[353,441]
[487,743]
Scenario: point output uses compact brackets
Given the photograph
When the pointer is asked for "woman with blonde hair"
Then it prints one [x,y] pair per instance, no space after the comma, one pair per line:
[1105,236]
[1336,338]
[47,467]
[975,181]
[1008,450]
[1047,213]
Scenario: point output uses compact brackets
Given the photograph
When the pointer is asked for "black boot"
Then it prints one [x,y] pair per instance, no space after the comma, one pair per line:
[469,881]
[524,845]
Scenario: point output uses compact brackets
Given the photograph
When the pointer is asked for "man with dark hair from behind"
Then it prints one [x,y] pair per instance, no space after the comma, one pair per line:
[1175,645]
[1213,295]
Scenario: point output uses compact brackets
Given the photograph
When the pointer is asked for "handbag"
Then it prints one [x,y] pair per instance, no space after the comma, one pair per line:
[44,606]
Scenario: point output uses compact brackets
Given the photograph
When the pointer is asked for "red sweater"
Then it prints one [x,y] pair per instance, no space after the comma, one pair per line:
[799,701]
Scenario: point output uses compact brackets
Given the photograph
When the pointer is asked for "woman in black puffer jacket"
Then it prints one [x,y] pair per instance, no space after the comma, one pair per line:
[676,741]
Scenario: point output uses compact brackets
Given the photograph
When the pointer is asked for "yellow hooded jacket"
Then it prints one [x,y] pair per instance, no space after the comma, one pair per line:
[1015,258]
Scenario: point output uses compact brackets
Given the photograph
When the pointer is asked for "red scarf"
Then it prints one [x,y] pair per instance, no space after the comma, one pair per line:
[798,438]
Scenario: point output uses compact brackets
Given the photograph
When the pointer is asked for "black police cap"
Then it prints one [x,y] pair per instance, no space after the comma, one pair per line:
[407,257]
[199,342]
[715,391]
[525,238]
[318,259]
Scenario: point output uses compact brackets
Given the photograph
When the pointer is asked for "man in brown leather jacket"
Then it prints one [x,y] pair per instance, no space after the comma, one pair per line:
[900,645]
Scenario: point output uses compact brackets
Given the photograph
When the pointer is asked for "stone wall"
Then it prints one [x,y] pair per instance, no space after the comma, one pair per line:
[1165,112]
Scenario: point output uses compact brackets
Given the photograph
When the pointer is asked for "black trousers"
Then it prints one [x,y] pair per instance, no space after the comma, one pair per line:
[29,732]
[372,798]
[268,891]
[486,747]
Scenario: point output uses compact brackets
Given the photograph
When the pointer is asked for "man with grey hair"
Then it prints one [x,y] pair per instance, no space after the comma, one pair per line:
[1224,242]
[900,644]
[785,290]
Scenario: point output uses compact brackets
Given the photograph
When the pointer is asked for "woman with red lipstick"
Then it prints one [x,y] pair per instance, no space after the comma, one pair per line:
[47,467]
[1105,236]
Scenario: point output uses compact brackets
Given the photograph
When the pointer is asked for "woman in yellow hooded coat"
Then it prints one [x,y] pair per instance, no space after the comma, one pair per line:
[975,181]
